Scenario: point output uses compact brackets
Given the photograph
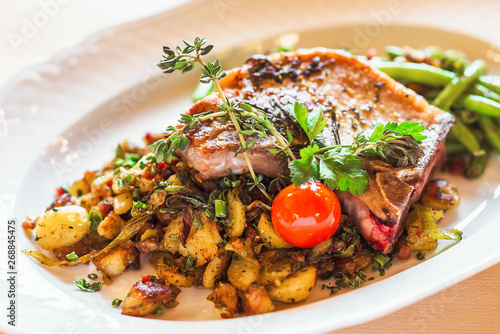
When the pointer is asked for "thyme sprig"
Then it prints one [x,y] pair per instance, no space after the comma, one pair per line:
[248,121]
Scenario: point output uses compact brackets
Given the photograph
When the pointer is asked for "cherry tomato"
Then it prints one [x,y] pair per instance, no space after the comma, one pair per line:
[307,215]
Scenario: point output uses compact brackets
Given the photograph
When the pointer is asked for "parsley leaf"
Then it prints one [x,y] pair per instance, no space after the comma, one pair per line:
[305,169]
[342,170]
[311,122]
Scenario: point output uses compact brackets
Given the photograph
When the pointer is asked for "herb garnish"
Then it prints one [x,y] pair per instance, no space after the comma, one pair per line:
[340,166]
[95,218]
[116,302]
[246,120]
[84,286]
[72,256]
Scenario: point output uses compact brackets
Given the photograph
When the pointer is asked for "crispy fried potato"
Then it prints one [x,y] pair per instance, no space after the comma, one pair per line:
[110,226]
[296,287]
[225,297]
[171,239]
[216,268]
[236,218]
[173,277]
[277,272]
[269,236]
[256,300]
[145,298]
[117,260]
[243,272]
[202,241]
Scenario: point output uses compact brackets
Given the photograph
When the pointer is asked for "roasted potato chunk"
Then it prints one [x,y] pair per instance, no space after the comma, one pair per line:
[110,226]
[236,218]
[269,236]
[256,300]
[277,272]
[146,297]
[439,194]
[296,287]
[62,226]
[117,260]
[216,268]
[242,272]
[173,277]
[225,297]
[202,241]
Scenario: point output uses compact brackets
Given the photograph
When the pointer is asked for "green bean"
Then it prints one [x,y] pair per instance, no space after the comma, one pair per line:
[454,148]
[477,165]
[415,72]
[469,117]
[466,137]
[459,84]
[481,105]
[491,82]
[491,130]
[393,51]
[481,90]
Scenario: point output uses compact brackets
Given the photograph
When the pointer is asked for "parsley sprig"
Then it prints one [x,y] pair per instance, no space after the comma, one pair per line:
[340,166]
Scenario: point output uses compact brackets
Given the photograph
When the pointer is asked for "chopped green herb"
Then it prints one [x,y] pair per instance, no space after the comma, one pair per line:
[159,311]
[125,181]
[92,276]
[95,218]
[72,256]
[140,205]
[79,192]
[116,302]
[421,256]
[84,286]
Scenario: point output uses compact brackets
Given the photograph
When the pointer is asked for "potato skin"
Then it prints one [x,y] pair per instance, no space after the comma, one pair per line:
[62,226]
[296,287]
[145,298]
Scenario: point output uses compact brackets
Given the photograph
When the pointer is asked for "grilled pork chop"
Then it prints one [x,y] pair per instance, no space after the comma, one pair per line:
[354,97]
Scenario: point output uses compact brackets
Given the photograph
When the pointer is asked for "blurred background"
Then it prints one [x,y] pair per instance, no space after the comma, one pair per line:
[33,30]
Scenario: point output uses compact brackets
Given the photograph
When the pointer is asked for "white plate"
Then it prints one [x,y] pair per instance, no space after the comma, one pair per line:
[117,65]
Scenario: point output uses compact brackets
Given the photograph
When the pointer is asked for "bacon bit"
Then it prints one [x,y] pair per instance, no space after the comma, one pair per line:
[148,174]
[60,191]
[89,175]
[29,224]
[146,278]
[404,252]
[105,208]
